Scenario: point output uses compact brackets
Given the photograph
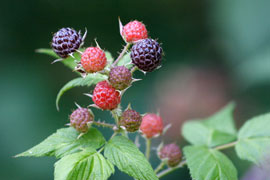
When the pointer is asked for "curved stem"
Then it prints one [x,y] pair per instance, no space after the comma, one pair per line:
[148,148]
[184,162]
[121,54]
[160,166]
[169,170]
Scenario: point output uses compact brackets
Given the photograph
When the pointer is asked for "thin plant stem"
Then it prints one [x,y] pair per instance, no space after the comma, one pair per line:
[121,54]
[134,68]
[148,148]
[184,162]
[114,134]
[115,116]
[101,149]
[171,169]
[160,167]
[225,146]
[98,123]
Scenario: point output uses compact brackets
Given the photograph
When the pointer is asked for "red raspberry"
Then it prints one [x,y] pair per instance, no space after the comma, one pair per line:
[79,119]
[152,125]
[172,153]
[134,31]
[93,59]
[105,96]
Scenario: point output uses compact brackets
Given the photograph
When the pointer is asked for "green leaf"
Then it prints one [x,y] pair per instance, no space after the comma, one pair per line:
[128,158]
[65,142]
[209,164]
[125,61]
[70,61]
[84,165]
[89,80]
[109,58]
[215,130]
[49,52]
[254,139]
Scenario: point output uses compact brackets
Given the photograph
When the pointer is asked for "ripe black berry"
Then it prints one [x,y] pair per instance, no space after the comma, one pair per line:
[146,54]
[120,77]
[131,120]
[66,41]
[79,119]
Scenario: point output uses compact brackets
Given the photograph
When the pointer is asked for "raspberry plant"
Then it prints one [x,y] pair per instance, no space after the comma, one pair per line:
[82,151]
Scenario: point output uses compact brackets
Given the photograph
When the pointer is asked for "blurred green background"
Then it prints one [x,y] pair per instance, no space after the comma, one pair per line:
[215,51]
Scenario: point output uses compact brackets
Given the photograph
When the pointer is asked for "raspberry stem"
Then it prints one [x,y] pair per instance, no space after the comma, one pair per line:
[121,54]
[148,148]
[116,117]
[184,162]
[160,167]
[98,123]
[135,68]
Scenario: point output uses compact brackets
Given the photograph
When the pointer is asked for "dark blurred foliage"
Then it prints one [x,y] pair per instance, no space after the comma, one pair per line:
[215,51]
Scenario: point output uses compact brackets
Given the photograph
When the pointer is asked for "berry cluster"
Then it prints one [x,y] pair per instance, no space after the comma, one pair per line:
[145,55]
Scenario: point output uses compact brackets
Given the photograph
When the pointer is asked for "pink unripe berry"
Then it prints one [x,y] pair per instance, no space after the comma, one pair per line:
[134,31]
[151,125]
[171,153]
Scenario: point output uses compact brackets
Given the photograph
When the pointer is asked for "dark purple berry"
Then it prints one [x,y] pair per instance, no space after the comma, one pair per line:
[66,41]
[79,119]
[131,120]
[146,54]
[120,77]
[172,153]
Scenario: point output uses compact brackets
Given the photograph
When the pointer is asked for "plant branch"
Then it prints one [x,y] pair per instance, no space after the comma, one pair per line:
[134,68]
[225,146]
[99,123]
[171,169]
[116,117]
[147,148]
[121,54]
[160,167]
[184,162]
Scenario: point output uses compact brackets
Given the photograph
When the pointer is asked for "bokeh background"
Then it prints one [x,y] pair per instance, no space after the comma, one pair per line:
[215,52]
